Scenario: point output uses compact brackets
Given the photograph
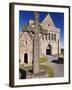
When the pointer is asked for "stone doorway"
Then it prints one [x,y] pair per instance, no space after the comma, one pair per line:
[25,58]
[49,50]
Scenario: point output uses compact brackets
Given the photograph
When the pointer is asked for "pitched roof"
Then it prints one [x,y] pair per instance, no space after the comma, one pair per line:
[47,22]
[43,26]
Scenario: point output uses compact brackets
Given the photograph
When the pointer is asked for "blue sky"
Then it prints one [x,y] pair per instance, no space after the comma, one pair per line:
[58,19]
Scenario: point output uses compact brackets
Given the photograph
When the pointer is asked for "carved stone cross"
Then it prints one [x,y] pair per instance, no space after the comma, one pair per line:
[36,42]
[36,45]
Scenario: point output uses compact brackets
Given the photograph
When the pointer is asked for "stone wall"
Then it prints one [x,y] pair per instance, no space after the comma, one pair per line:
[54,44]
[27,47]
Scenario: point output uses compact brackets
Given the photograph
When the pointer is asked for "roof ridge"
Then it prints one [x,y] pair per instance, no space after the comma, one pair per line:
[48,20]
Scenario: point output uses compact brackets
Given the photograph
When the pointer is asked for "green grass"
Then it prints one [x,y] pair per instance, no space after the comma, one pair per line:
[49,70]
[43,59]
[28,67]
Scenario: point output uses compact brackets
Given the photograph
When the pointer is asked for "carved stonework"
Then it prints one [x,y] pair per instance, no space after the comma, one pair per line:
[36,44]
[36,53]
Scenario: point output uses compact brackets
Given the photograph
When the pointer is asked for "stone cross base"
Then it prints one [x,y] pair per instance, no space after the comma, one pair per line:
[41,74]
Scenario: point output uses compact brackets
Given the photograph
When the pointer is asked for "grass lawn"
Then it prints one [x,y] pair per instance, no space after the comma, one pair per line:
[48,69]
[28,67]
[43,59]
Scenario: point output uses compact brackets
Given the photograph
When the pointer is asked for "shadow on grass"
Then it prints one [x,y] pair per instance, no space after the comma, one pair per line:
[23,74]
[31,71]
[59,61]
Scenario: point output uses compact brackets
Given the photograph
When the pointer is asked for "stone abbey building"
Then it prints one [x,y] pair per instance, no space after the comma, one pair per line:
[48,39]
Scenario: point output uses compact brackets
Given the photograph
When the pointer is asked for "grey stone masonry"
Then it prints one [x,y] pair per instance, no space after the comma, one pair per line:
[36,55]
[36,45]
[37,19]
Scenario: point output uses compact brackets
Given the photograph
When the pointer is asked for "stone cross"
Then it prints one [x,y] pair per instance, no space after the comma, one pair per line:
[36,45]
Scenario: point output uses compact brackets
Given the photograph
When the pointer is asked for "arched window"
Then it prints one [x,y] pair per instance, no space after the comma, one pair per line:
[48,24]
[25,58]
[55,37]
[46,36]
[49,50]
[26,42]
[52,36]
[42,37]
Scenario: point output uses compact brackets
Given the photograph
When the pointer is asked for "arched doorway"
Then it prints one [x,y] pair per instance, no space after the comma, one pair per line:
[25,58]
[49,50]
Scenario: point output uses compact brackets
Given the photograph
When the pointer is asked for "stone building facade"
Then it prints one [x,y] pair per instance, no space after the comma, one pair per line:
[49,40]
